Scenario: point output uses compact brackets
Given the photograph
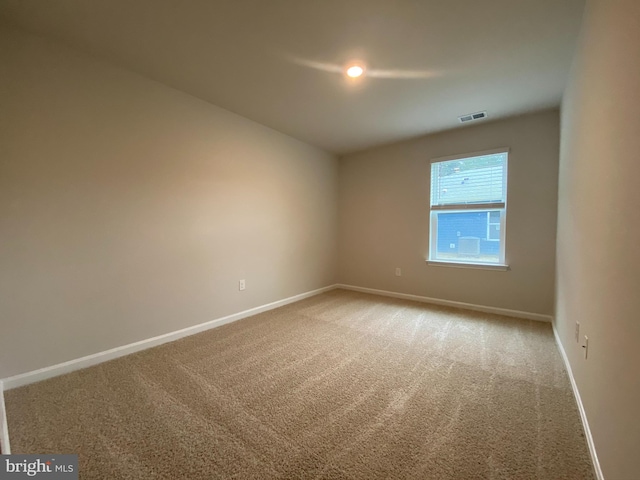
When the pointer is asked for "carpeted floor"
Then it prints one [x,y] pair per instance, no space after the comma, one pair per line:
[342,385]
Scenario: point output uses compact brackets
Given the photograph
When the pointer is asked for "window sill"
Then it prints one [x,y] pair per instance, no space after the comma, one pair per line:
[480,266]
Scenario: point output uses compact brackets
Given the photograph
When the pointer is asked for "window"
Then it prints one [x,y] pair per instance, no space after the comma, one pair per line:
[493,226]
[468,209]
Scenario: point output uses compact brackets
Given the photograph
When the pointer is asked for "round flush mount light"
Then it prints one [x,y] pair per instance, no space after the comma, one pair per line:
[354,71]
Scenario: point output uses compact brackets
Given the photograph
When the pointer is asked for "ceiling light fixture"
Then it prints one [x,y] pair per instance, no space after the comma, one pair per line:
[355,71]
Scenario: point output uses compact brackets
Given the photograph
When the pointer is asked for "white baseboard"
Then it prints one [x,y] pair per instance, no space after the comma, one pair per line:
[450,303]
[5,447]
[583,415]
[96,358]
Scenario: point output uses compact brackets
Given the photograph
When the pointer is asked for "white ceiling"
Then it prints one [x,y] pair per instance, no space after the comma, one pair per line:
[271,60]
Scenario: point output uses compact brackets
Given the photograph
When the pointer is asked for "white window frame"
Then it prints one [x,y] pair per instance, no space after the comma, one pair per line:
[462,207]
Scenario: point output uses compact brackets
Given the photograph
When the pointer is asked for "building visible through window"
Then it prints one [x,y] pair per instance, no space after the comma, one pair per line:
[468,208]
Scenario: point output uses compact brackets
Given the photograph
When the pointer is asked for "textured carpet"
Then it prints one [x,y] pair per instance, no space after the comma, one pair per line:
[341,385]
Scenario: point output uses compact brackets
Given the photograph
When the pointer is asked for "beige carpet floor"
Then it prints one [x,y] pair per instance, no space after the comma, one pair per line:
[338,386]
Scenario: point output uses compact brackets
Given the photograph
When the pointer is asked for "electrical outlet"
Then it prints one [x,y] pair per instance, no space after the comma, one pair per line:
[398,272]
[452,245]
[577,331]
[241,285]
[586,347]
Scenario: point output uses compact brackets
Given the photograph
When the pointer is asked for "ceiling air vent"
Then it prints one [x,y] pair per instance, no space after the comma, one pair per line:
[472,116]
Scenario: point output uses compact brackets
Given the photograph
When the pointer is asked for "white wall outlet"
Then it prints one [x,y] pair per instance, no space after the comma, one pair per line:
[242,285]
[585,345]
[577,335]
[398,272]
[452,245]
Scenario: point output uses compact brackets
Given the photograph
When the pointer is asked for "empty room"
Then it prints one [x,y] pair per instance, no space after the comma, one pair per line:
[340,239]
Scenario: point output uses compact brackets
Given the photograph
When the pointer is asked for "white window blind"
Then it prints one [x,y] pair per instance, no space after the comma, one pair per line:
[469,181]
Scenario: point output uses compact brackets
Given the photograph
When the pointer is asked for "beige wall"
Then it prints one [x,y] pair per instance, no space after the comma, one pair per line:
[598,277]
[384,216]
[129,209]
